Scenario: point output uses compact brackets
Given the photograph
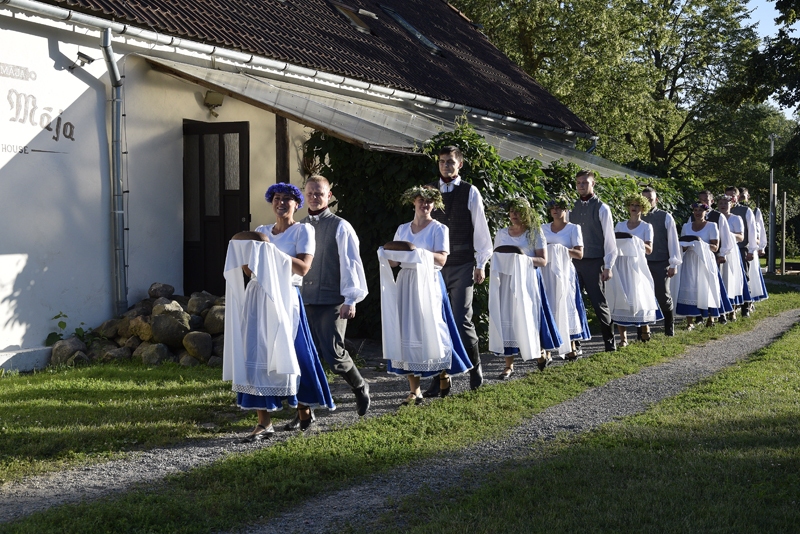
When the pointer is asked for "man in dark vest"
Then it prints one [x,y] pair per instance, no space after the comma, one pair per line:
[470,249]
[748,247]
[664,259]
[599,250]
[333,286]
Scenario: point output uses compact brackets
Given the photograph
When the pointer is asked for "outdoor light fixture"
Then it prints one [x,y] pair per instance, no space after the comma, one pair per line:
[212,101]
[83,59]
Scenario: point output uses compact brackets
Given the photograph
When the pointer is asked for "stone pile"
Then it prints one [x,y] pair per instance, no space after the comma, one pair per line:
[158,329]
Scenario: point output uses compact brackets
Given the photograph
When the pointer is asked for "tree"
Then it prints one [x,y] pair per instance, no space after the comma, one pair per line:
[645,75]
[775,71]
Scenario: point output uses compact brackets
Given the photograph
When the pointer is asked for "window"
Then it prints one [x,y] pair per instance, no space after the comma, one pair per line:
[353,16]
[427,43]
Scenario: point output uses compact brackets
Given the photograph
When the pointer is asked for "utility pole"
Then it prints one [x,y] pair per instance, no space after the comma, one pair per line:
[772,201]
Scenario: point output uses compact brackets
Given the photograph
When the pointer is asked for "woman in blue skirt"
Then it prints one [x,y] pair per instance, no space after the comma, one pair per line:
[420,337]
[309,388]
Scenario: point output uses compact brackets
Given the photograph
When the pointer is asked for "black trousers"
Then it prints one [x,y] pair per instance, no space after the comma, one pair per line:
[327,331]
[589,271]
[458,280]
[658,270]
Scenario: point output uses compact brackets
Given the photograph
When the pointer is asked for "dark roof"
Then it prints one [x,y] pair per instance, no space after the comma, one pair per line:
[313,34]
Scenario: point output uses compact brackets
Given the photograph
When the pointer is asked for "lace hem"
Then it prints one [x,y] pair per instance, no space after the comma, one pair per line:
[422,367]
[265,391]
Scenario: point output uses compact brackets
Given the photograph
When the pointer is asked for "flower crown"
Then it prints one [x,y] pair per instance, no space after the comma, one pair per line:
[427,193]
[285,188]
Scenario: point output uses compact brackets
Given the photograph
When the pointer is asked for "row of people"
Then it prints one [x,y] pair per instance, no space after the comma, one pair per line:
[450,246]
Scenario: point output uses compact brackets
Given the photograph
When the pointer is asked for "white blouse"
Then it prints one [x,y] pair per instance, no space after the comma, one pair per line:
[710,232]
[435,237]
[570,236]
[644,231]
[297,239]
[521,241]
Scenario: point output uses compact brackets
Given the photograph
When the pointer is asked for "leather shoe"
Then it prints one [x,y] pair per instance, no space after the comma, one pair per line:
[259,433]
[362,399]
[294,424]
[433,389]
[611,346]
[476,377]
[445,391]
[305,424]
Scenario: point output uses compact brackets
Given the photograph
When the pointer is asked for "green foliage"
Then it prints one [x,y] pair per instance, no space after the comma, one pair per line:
[84,334]
[644,75]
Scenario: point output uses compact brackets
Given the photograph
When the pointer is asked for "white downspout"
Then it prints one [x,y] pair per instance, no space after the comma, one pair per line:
[117,204]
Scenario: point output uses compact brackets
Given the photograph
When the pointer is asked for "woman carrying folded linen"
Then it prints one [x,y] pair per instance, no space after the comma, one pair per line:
[420,337]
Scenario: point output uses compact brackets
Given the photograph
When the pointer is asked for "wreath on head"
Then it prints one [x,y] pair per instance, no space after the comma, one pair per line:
[285,188]
[637,198]
[430,194]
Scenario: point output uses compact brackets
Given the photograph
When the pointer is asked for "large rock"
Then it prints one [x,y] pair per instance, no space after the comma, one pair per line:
[132,343]
[99,347]
[189,361]
[218,345]
[121,353]
[143,307]
[79,358]
[214,361]
[109,329]
[160,290]
[199,345]
[152,353]
[170,328]
[141,328]
[137,353]
[200,301]
[162,306]
[215,320]
[124,327]
[65,348]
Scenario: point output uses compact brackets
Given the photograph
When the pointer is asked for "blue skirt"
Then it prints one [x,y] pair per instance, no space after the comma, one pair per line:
[763,285]
[313,390]
[585,333]
[548,332]
[659,317]
[690,310]
[460,362]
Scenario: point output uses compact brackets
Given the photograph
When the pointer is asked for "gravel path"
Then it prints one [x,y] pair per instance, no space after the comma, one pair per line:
[323,514]
[621,397]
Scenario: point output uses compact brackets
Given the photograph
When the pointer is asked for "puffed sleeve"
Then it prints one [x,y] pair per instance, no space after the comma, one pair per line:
[577,236]
[306,243]
[441,241]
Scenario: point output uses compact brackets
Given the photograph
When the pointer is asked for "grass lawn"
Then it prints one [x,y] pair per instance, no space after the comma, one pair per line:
[234,491]
[721,457]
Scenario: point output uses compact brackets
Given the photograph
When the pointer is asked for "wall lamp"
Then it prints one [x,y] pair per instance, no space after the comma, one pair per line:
[212,101]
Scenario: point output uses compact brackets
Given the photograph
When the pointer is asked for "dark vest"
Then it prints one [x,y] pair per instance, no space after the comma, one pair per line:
[587,216]
[658,219]
[458,219]
[321,282]
[741,211]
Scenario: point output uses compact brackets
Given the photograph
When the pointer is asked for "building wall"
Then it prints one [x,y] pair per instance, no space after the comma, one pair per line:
[55,196]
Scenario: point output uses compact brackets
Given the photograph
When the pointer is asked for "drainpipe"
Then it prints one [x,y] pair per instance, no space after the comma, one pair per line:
[594,145]
[117,205]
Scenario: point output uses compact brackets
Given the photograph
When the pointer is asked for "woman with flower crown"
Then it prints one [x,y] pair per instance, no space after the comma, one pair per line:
[520,320]
[420,337]
[309,388]
[564,242]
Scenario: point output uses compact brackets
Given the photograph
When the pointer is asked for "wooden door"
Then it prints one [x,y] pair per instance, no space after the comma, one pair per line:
[216,199]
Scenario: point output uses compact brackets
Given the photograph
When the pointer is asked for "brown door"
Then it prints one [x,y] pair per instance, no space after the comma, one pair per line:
[216,199]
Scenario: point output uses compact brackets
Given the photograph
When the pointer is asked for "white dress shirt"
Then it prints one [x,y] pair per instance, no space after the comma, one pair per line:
[481,238]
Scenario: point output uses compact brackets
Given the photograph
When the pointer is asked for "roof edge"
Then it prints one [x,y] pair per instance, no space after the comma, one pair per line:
[125,30]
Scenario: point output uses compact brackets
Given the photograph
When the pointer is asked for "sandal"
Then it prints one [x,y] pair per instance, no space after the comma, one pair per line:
[571,356]
[645,334]
[265,432]
[412,400]
[506,374]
